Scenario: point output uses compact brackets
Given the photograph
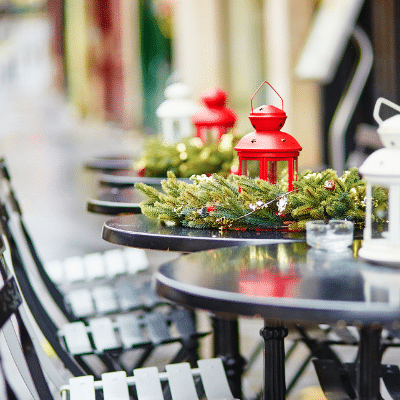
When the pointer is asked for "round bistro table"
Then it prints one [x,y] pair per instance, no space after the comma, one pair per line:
[116,201]
[142,232]
[290,283]
[117,194]
[110,164]
[121,181]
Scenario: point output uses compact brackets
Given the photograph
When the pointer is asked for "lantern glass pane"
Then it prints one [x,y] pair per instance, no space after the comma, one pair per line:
[251,168]
[277,170]
[177,128]
[210,135]
[380,212]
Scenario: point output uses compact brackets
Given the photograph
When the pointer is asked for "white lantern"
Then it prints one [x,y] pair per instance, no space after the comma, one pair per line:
[175,113]
[382,169]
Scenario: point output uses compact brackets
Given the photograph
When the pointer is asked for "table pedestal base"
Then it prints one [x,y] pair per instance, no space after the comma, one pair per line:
[274,362]
[368,372]
[226,346]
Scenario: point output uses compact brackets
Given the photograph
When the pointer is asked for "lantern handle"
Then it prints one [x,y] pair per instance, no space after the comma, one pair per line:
[378,106]
[251,102]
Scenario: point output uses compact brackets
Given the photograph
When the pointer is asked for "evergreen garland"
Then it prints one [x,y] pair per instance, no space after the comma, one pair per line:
[189,157]
[240,202]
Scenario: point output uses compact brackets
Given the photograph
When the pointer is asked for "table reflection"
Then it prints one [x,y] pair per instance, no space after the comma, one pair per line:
[290,283]
[293,271]
[268,283]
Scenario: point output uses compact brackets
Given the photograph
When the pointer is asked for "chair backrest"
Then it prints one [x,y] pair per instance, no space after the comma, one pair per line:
[11,212]
[28,276]
[22,346]
[26,265]
[70,306]
[35,366]
[35,306]
[182,381]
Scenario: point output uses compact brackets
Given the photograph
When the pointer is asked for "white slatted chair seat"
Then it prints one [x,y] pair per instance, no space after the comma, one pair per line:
[105,265]
[108,296]
[106,299]
[129,299]
[148,383]
[127,332]
[94,265]
[55,270]
[114,263]
[98,273]
[74,270]
[130,331]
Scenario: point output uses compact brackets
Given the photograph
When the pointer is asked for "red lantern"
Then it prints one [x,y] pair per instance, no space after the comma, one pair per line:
[267,152]
[215,117]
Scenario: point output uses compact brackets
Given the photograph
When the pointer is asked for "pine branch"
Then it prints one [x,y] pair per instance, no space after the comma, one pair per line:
[239,202]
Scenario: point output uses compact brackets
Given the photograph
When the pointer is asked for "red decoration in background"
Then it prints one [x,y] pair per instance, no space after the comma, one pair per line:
[104,16]
[105,58]
[329,185]
[214,116]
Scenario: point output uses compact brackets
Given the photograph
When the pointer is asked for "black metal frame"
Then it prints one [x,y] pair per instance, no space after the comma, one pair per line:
[77,364]
[11,300]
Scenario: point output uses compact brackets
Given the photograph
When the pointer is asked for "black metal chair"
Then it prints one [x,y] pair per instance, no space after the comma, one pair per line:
[30,360]
[179,382]
[20,342]
[95,284]
[108,338]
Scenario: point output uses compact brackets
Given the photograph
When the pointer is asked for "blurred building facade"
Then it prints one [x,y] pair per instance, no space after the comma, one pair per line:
[117,57]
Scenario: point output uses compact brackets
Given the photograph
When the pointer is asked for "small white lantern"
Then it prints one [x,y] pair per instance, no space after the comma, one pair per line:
[175,113]
[382,169]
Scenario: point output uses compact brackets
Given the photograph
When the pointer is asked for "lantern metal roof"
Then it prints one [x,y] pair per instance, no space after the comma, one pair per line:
[267,120]
[268,142]
[177,103]
[383,166]
[267,138]
[383,163]
[215,112]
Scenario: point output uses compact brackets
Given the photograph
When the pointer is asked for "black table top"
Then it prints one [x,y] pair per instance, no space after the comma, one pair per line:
[110,163]
[140,231]
[112,207]
[119,181]
[117,195]
[116,201]
[284,281]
